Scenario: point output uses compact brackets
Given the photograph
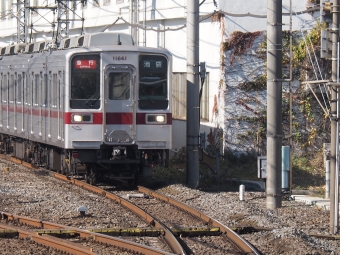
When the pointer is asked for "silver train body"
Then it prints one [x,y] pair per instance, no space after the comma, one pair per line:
[96,104]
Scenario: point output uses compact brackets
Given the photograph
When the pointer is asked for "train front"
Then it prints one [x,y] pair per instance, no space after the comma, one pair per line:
[130,97]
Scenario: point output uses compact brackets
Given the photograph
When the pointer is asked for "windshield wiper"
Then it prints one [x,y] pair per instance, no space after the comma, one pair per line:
[147,96]
[93,99]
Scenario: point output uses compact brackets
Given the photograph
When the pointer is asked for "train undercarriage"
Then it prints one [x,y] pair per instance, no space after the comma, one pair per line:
[121,163]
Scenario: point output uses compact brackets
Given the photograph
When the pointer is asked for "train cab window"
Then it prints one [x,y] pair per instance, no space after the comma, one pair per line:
[153,82]
[85,82]
[119,86]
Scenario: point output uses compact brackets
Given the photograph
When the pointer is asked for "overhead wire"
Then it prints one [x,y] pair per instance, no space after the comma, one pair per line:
[326,108]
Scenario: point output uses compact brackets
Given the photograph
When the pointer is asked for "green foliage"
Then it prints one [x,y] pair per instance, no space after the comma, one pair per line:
[311,39]
[242,166]
[173,174]
[305,106]
[308,171]
[259,84]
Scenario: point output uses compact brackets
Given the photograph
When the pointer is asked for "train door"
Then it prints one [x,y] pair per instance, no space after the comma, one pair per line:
[120,105]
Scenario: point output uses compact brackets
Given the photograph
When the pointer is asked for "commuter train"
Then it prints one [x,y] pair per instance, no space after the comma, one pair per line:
[96,104]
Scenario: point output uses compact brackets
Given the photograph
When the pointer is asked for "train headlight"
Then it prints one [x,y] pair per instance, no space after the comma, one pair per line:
[77,118]
[160,118]
[81,118]
[156,118]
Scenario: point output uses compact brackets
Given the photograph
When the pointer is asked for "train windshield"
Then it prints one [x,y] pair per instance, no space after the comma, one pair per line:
[153,80]
[85,82]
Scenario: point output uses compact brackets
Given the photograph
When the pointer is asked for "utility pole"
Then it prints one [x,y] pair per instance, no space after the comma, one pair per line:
[22,22]
[134,21]
[334,173]
[290,97]
[192,157]
[64,10]
[274,103]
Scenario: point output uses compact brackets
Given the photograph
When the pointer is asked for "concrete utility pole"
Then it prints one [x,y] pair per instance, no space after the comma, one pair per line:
[192,93]
[274,103]
[334,181]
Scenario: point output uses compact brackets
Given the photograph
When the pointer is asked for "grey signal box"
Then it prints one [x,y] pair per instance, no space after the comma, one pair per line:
[262,167]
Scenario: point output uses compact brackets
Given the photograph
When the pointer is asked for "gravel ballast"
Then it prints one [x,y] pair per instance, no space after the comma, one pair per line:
[289,228]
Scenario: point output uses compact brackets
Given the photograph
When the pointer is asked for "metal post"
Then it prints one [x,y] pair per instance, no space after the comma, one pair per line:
[327,179]
[192,143]
[290,99]
[131,17]
[334,199]
[144,25]
[274,103]
[134,21]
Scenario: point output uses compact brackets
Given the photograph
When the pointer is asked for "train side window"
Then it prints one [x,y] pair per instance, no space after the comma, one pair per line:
[55,90]
[119,86]
[59,91]
[26,89]
[1,82]
[19,89]
[44,97]
[30,90]
[11,89]
[49,85]
[35,89]
[4,89]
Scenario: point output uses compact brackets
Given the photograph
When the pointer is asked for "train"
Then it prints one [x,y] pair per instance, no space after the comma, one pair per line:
[95,104]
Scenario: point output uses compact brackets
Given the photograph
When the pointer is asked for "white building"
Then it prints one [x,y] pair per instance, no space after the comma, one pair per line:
[165,21]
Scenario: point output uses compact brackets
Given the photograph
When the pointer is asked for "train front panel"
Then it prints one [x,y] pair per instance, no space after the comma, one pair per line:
[118,106]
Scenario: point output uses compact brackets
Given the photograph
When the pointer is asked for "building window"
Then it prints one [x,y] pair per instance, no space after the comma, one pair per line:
[179,97]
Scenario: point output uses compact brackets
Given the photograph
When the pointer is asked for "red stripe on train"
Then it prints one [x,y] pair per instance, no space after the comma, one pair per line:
[112,118]
[119,118]
[97,117]
[125,118]
[141,118]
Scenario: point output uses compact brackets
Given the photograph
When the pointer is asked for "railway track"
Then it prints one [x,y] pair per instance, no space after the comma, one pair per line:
[43,232]
[171,236]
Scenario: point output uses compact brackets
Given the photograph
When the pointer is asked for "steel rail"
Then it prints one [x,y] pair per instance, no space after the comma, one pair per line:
[169,236]
[63,245]
[239,241]
[59,244]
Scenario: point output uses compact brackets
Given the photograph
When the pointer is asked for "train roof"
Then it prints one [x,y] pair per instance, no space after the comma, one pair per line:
[110,41]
